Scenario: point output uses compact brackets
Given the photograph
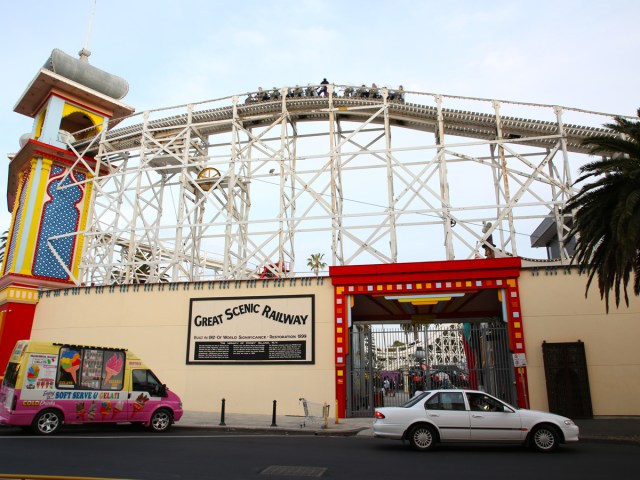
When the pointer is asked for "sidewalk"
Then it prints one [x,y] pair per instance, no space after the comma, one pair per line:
[613,429]
[284,424]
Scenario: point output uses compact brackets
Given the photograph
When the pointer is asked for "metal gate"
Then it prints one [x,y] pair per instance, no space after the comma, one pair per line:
[388,363]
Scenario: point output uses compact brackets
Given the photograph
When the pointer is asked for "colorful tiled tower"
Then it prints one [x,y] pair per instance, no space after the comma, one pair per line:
[49,189]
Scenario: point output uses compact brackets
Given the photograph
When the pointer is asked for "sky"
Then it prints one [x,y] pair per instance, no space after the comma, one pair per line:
[581,54]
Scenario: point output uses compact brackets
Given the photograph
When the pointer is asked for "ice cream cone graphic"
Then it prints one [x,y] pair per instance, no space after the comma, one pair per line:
[92,411]
[139,404]
[105,409]
[70,363]
[32,374]
[113,366]
[117,408]
[80,410]
[110,373]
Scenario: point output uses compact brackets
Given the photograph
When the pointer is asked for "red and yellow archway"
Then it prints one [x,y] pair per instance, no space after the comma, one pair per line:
[426,278]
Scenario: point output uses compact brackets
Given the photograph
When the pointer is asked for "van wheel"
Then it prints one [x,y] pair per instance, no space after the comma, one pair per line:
[47,422]
[161,420]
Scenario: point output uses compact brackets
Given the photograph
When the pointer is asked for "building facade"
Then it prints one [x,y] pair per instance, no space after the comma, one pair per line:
[550,308]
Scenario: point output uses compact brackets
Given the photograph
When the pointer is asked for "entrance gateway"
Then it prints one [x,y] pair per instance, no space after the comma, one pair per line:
[427,325]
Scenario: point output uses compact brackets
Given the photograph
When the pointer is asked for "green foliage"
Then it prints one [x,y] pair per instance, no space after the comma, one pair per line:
[143,269]
[316,263]
[607,212]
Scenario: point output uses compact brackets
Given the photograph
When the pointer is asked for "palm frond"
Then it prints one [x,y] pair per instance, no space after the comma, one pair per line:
[607,213]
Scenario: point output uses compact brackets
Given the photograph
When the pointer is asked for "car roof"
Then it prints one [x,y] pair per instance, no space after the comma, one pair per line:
[456,390]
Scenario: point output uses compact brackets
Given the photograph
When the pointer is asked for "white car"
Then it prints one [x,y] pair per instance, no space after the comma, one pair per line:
[471,416]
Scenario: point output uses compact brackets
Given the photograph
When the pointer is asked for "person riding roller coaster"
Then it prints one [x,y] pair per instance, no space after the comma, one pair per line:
[322,91]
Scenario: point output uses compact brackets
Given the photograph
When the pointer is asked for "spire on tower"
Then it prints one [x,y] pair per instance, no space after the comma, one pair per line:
[85,52]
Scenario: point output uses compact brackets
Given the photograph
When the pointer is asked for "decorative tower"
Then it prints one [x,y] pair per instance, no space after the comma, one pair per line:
[49,189]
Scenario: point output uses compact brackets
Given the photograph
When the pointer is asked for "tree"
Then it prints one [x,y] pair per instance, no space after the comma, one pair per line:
[607,212]
[315,262]
[143,269]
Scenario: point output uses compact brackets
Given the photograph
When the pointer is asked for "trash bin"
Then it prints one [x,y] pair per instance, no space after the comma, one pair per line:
[378,399]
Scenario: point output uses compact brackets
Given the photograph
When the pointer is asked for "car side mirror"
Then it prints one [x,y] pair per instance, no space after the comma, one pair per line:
[158,390]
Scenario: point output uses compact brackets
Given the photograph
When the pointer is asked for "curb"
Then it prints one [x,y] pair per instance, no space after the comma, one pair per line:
[277,430]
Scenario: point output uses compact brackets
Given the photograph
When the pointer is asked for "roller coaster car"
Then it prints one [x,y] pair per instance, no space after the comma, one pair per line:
[274,270]
[395,96]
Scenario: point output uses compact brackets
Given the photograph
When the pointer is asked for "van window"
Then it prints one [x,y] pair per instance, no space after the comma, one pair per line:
[11,375]
[90,368]
[113,373]
[68,367]
[146,381]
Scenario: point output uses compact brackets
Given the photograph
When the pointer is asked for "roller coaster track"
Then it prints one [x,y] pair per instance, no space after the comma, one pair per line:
[521,185]
[408,115]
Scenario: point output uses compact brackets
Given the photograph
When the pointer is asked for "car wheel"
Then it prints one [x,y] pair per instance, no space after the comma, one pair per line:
[47,422]
[160,420]
[422,437]
[544,438]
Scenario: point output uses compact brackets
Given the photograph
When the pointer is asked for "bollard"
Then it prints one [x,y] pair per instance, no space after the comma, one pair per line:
[325,415]
[222,415]
[273,417]
[337,416]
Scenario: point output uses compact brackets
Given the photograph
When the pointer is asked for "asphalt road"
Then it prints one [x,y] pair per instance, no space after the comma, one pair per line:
[131,453]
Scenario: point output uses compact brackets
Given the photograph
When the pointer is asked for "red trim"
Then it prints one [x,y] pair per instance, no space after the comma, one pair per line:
[18,320]
[70,100]
[62,156]
[50,181]
[426,271]
[33,281]
[495,273]
[34,147]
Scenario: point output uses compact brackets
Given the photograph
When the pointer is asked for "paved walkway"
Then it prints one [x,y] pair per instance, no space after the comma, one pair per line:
[284,424]
[617,429]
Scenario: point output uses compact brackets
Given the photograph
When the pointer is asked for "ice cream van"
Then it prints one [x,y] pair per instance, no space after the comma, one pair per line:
[49,384]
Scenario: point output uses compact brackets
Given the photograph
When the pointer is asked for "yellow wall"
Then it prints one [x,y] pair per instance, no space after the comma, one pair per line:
[554,309]
[154,324]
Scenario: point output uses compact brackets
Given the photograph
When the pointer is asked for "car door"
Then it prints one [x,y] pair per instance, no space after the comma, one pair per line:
[492,420]
[447,411]
[146,393]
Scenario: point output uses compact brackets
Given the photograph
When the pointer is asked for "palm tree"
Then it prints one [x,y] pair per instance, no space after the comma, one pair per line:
[315,262]
[607,212]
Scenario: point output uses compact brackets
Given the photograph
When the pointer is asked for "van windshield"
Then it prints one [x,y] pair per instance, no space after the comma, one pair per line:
[11,375]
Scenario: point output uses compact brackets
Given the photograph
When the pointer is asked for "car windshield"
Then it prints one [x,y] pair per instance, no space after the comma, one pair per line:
[416,399]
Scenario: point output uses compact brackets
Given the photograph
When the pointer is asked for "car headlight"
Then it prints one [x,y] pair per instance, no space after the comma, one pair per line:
[568,422]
